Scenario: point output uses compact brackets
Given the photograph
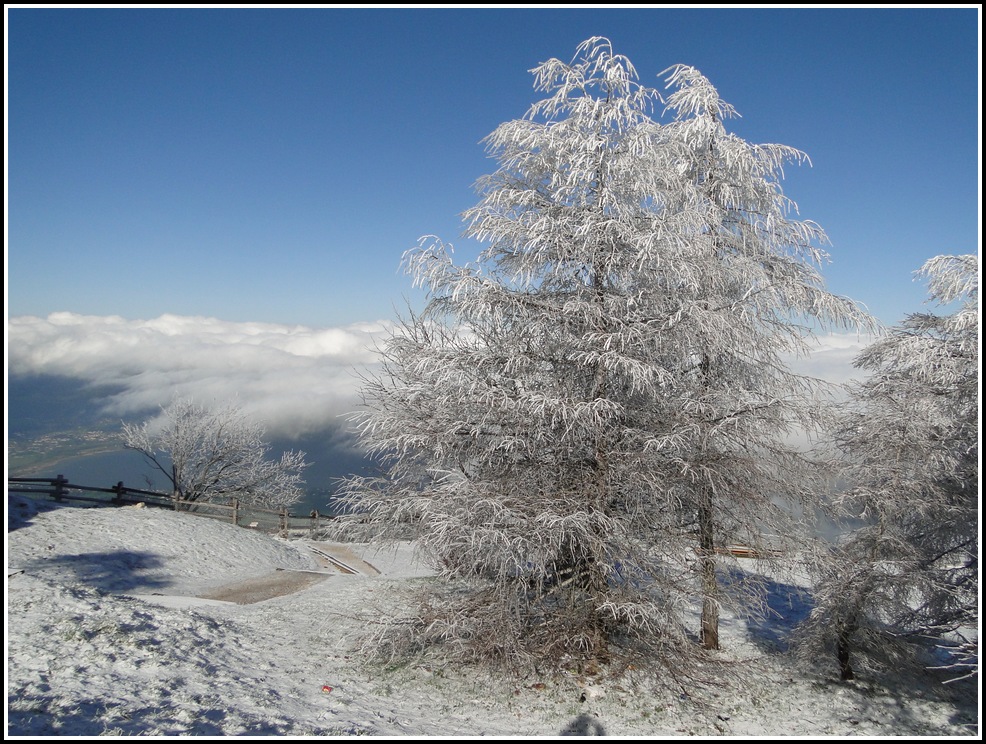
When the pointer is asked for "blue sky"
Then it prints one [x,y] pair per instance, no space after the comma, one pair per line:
[272,165]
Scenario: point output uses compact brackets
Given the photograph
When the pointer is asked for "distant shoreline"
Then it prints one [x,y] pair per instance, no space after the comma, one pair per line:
[26,466]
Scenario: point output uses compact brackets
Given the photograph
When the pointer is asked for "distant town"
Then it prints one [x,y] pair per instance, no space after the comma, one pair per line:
[30,455]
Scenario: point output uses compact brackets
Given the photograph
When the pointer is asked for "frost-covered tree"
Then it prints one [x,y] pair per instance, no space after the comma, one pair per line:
[603,394]
[746,295]
[911,447]
[216,455]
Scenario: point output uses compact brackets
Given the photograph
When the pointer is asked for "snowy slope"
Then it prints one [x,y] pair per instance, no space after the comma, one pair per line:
[107,634]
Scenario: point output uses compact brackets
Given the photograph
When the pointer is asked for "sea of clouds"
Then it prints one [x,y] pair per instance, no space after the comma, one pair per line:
[297,380]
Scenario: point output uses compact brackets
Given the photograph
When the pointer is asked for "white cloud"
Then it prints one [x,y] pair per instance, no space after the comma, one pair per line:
[831,357]
[295,379]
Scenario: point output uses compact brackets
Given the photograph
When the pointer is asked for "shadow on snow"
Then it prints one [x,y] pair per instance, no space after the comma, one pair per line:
[785,606]
[111,571]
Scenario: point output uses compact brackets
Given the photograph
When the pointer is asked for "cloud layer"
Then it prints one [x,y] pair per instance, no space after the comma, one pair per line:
[832,356]
[297,380]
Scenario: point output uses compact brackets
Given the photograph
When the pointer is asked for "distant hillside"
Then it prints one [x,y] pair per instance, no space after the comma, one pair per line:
[57,425]
[38,405]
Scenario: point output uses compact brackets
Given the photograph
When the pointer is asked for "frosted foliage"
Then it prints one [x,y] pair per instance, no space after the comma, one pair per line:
[607,380]
[216,455]
[911,445]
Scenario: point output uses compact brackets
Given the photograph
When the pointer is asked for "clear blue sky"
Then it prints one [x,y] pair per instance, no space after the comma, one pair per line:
[273,165]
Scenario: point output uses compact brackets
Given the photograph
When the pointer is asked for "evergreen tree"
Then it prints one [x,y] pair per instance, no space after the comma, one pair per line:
[603,393]
[911,448]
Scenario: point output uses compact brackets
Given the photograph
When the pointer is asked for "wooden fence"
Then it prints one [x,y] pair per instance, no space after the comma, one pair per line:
[59,489]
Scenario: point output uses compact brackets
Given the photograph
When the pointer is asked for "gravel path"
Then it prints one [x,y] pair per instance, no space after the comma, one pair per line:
[334,558]
[273,585]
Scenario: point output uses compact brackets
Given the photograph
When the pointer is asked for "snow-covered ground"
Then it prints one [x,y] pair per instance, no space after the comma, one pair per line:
[109,632]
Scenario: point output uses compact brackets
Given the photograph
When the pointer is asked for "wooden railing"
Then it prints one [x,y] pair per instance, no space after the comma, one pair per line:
[59,489]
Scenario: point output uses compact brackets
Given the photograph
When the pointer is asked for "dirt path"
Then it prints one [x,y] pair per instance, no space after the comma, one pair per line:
[333,557]
[273,585]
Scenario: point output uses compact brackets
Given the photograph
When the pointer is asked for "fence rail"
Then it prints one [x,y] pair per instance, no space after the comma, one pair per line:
[59,489]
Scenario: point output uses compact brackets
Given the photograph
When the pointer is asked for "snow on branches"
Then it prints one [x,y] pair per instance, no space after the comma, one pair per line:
[910,442]
[216,454]
[576,424]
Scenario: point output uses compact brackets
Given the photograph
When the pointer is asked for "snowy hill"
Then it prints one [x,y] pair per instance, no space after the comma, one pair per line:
[128,621]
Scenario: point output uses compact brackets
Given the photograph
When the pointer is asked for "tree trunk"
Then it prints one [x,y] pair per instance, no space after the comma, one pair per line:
[842,652]
[843,647]
[707,562]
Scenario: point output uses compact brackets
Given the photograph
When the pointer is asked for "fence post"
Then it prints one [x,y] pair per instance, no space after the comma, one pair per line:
[236,510]
[118,491]
[59,484]
[284,520]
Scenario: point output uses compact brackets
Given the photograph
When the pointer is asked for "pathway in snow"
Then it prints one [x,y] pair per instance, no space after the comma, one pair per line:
[334,558]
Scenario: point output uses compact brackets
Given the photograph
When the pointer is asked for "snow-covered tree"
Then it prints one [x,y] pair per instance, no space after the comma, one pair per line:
[603,394]
[911,447]
[216,455]
[746,292]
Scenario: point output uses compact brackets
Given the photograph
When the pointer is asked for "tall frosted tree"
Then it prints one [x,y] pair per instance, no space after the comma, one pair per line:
[603,394]
[746,295]
[911,449]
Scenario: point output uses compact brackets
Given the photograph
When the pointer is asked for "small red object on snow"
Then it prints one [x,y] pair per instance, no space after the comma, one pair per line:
[326,688]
